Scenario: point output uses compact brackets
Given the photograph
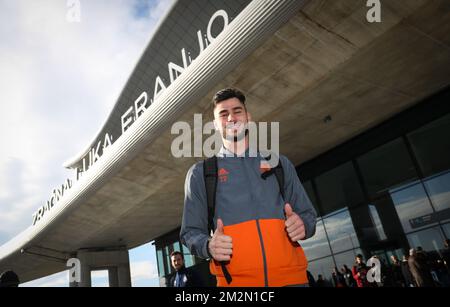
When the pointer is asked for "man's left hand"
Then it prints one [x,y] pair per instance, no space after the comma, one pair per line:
[294,224]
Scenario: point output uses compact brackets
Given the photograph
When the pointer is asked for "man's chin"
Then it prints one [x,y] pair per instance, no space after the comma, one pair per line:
[236,137]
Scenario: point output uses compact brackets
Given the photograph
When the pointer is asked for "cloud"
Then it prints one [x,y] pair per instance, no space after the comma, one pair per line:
[58,82]
[143,270]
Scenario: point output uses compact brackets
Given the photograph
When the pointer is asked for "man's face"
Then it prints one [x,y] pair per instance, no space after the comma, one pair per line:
[231,118]
[177,262]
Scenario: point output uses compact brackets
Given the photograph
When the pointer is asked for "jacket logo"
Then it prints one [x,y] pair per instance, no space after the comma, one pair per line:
[223,175]
[264,167]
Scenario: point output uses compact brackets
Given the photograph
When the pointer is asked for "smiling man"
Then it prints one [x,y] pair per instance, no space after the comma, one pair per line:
[256,215]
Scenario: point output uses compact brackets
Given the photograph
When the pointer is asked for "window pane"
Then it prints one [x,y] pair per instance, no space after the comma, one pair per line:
[439,190]
[384,222]
[100,278]
[376,221]
[317,246]
[430,240]
[431,145]
[386,167]
[340,232]
[413,207]
[446,228]
[188,258]
[159,255]
[176,247]
[339,188]
[322,267]
[168,250]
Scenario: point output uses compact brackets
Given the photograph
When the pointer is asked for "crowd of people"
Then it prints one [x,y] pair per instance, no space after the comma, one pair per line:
[416,269]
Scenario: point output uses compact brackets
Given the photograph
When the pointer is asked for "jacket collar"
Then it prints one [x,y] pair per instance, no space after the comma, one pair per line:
[249,153]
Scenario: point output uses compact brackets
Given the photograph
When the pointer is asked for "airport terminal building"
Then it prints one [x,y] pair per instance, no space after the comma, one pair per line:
[364,114]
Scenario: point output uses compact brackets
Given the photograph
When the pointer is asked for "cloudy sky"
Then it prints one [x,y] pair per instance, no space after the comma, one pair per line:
[59,80]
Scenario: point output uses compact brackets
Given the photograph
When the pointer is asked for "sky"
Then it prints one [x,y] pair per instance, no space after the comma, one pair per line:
[60,76]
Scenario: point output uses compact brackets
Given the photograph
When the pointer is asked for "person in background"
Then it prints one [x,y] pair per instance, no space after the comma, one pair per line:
[320,283]
[348,276]
[419,269]
[359,272]
[338,278]
[406,272]
[311,281]
[9,279]
[445,264]
[183,277]
[397,276]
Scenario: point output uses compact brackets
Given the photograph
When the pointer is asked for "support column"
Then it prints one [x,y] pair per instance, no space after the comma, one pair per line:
[85,275]
[115,260]
[124,275]
[113,277]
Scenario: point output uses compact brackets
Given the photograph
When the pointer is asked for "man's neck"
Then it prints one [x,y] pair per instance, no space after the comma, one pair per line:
[237,148]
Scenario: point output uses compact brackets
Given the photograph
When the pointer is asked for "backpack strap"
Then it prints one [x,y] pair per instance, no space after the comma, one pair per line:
[210,171]
[210,174]
[279,174]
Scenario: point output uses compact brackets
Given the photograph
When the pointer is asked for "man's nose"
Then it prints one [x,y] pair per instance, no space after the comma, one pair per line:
[231,117]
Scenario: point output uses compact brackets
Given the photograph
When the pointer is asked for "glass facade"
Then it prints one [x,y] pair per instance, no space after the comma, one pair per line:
[383,201]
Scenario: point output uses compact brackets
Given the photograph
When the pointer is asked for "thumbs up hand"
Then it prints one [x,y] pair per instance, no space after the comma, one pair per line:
[220,245]
[294,224]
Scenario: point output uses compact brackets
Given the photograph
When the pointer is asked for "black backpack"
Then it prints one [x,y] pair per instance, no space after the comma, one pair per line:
[210,173]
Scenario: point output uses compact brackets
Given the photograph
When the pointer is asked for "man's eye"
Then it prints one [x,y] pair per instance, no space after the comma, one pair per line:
[223,115]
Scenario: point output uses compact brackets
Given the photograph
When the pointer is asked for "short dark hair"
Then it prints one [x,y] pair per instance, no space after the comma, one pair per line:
[174,253]
[359,256]
[228,93]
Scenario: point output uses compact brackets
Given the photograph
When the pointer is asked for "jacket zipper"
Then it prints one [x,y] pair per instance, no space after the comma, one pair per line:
[266,281]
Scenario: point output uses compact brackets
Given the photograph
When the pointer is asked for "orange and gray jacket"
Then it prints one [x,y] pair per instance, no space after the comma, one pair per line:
[252,211]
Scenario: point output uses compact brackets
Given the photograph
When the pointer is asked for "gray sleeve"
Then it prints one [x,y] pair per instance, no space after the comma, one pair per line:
[194,226]
[297,197]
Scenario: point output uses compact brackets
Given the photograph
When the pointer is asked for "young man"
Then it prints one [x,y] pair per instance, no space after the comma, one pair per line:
[183,277]
[256,231]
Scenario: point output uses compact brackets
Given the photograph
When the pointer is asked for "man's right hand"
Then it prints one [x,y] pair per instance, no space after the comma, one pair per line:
[220,246]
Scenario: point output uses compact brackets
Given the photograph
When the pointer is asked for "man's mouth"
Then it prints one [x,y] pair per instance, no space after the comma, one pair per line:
[233,126]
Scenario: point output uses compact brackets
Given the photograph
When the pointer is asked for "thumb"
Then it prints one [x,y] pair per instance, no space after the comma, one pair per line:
[219,228]
[288,210]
